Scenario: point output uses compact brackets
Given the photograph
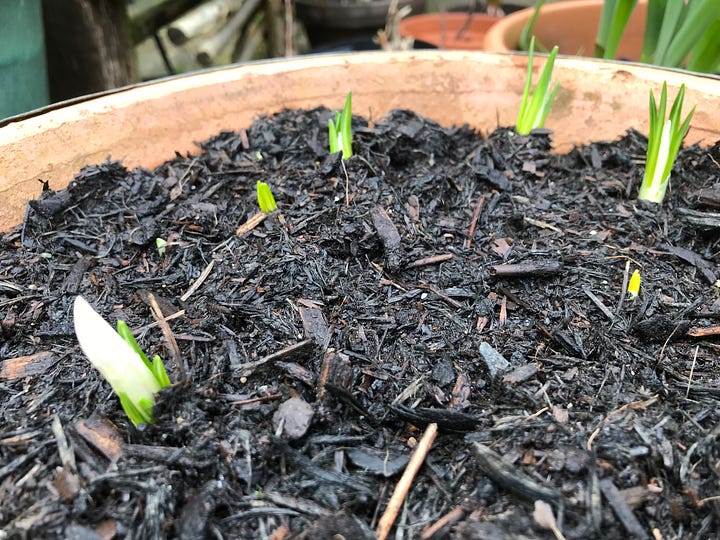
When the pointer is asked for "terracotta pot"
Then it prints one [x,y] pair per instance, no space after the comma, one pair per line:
[571,25]
[146,124]
[449,30]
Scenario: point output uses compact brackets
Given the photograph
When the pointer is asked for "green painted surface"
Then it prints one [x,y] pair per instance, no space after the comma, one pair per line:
[23,76]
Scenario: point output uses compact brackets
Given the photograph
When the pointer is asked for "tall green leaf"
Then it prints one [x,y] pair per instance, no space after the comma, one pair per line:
[528,31]
[613,20]
[698,17]
[655,13]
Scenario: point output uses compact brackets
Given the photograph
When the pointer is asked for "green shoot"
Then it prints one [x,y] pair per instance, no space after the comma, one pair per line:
[117,356]
[161,246]
[340,130]
[266,200]
[613,20]
[664,143]
[534,109]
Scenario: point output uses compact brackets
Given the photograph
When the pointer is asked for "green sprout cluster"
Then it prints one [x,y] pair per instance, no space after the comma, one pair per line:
[664,142]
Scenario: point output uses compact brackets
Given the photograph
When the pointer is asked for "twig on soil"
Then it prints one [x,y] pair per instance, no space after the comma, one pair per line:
[621,509]
[442,296]
[431,260]
[623,288]
[502,318]
[260,399]
[147,327]
[541,268]
[509,477]
[252,222]
[403,485]
[276,355]
[692,371]
[704,332]
[600,305]
[474,220]
[639,404]
[67,456]
[199,281]
[449,519]
[169,337]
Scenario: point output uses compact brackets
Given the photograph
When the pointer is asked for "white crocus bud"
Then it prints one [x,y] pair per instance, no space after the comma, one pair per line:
[121,366]
[662,172]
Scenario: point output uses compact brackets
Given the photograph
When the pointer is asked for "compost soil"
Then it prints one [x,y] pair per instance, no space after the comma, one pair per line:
[437,278]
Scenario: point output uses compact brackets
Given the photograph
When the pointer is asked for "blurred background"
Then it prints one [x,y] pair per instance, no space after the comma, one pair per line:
[54,50]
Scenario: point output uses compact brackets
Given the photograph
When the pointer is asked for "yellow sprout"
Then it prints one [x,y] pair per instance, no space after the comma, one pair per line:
[634,285]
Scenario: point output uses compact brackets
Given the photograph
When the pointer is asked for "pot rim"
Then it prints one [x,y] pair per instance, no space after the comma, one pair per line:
[300,62]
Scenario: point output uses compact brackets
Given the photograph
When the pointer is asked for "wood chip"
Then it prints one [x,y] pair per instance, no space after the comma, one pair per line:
[26,366]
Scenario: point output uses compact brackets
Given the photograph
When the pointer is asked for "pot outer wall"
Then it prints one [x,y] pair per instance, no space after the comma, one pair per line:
[571,25]
[145,125]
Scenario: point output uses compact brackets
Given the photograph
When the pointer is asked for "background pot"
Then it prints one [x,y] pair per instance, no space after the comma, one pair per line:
[571,25]
[336,25]
[449,30]
[147,124]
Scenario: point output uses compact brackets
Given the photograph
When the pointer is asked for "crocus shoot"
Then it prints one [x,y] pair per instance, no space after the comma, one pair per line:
[266,200]
[117,356]
[634,284]
[340,130]
[534,109]
[664,143]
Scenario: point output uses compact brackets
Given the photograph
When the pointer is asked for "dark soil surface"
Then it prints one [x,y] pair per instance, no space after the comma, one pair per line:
[438,277]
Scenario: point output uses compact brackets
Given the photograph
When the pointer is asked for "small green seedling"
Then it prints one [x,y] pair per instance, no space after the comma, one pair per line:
[664,143]
[534,109]
[117,356]
[265,198]
[340,130]
[161,245]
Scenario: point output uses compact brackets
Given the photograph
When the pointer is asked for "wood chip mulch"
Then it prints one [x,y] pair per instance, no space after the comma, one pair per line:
[438,279]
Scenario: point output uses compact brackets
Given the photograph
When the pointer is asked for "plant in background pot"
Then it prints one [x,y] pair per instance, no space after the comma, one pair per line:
[672,33]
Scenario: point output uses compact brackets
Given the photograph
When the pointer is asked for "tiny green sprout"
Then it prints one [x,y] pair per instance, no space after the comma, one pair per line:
[265,198]
[634,284]
[117,356]
[161,245]
[534,109]
[258,155]
[664,142]
[340,130]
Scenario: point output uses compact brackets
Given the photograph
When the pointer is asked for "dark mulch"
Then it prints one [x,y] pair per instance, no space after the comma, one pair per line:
[366,303]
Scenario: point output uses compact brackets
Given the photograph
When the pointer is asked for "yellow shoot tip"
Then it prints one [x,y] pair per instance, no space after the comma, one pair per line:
[634,284]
